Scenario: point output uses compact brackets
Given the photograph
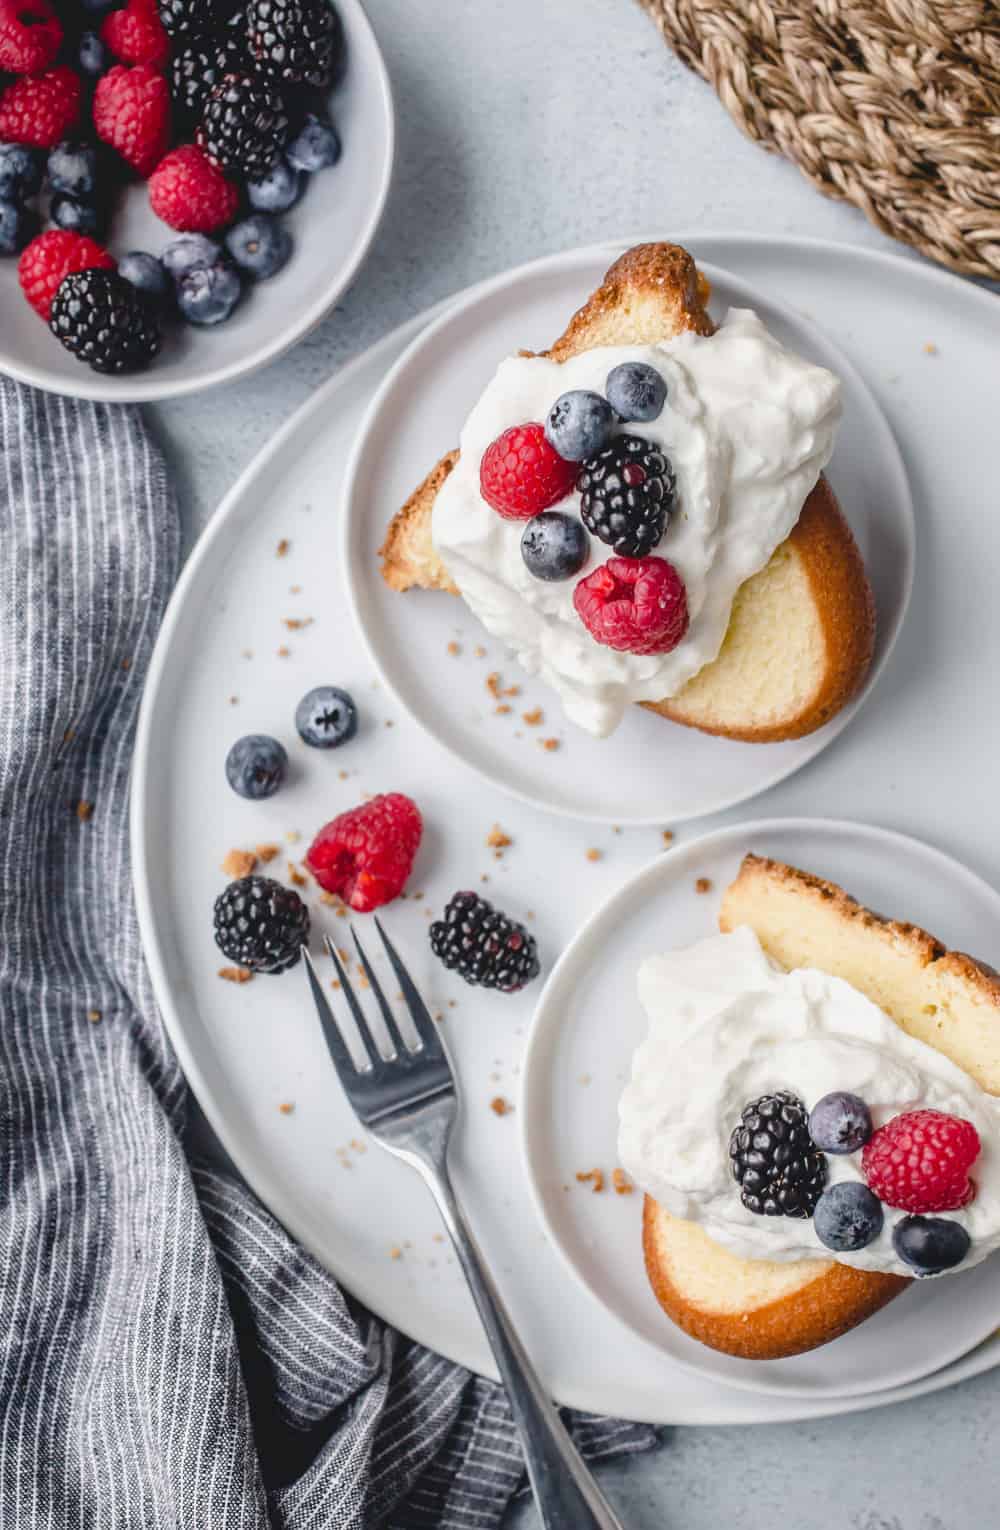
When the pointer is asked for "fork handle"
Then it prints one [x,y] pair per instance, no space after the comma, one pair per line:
[565,1492]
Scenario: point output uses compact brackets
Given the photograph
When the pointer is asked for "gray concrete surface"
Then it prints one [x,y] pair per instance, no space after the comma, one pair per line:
[525,128]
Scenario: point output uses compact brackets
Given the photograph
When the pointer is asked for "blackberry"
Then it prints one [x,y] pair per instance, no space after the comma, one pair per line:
[199,17]
[260,925]
[627,495]
[244,126]
[104,321]
[483,946]
[200,65]
[773,1158]
[298,41]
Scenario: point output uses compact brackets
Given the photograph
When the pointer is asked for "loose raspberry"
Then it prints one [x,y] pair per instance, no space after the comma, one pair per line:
[136,35]
[637,605]
[51,257]
[30,35]
[190,193]
[521,474]
[40,109]
[132,114]
[920,1161]
[366,855]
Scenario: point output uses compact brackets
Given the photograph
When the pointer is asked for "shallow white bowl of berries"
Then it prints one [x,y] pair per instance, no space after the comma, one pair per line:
[332,227]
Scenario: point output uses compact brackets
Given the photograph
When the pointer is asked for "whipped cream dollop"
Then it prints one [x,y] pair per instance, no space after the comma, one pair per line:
[726,1025]
[748,427]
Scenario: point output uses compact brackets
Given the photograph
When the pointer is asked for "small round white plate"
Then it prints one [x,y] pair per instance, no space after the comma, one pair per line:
[644,773]
[333,227]
[589,1022]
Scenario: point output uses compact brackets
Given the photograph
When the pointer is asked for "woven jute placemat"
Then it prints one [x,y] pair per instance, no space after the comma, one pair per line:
[893,105]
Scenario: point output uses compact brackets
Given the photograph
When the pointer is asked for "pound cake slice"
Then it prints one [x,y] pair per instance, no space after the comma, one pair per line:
[802,631]
[763,1310]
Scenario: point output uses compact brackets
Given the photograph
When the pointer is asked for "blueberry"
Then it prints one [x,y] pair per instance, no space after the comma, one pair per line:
[18,225]
[72,169]
[579,424]
[554,545]
[256,765]
[260,245]
[190,250]
[78,217]
[92,55]
[848,1216]
[326,717]
[314,146]
[840,1123]
[930,1244]
[208,294]
[98,7]
[636,391]
[276,191]
[147,275]
[21,171]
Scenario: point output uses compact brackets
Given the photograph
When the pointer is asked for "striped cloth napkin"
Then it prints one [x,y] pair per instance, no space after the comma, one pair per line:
[168,1357]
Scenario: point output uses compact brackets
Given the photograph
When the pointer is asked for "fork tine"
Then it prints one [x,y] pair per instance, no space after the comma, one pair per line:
[430,1038]
[342,1059]
[368,1040]
[399,1045]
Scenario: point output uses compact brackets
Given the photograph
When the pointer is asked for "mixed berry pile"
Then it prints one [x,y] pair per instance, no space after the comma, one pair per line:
[215,104]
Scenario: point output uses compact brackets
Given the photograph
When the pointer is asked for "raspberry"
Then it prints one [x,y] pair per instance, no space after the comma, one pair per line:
[40,109]
[50,258]
[132,114]
[920,1161]
[637,605]
[366,855]
[521,474]
[190,193]
[136,34]
[30,35]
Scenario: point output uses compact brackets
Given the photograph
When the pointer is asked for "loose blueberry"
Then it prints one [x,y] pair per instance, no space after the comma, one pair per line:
[276,191]
[636,391]
[314,146]
[326,717]
[18,226]
[78,217]
[554,545]
[98,7]
[579,424]
[21,171]
[92,55]
[256,765]
[840,1123]
[848,1216]
[260,245]
[190,250]
[208,294]
[147,275]
[72,169]
[930,1244]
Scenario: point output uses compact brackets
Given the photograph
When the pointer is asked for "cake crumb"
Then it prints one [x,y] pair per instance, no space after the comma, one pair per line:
[549,744]
[286,1107]
[126,663]
[703,885]
[502,710]
[296,877]
[395,1252]
[295,623]
[930,1009]
[668,837]
[484,877]
[500,1106]
[593,1177]
[330,899]
[585,1079]
[335,983]
[267,853]
[283,652]
[511,690]
[69,735]
[341,775]
[594,855]
[497,839]
[358,1145]
[295,589]
[534,718]
[94,1015]
[293,836]
[235,974]
[493,685]
[282,548]
[930,349]
[437,1237]
[623,1185]
[84,810]
[454,649]
[239,863]
[479,651]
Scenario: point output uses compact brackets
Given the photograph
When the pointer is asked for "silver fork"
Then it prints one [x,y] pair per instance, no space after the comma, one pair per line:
[409,1103]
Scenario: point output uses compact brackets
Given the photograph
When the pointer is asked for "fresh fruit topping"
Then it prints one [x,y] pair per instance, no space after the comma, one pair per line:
[72,169]
[261,925]
[840,1123]
[554,545]
[184,254]
[773,1158]
[579,424]
[930,1244]
[244,125]
[148,276]
[920,1161]
[256,766]
[260,245]
[208,294]
[326,717]
[298,41]
[39,109]
[78,216]
[627,495]
[30,35]
[190,193]
[199,66]
[365,855]
[315,146]
[848,1216]
[194,16]
[21,171]
[136,35]
[132,114]
[636,605]
[52,257]
[521,474]
[18,225]
[91,55]
[104,322]
[276,191]
[636,391]
[483,946]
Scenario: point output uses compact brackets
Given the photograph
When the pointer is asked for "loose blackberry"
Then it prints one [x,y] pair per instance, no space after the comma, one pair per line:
[627,495]
[199,17]
[244,126]
[261,925]
[483,946]
[774,1160]
[200,65]
[104,321]
[298,41]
